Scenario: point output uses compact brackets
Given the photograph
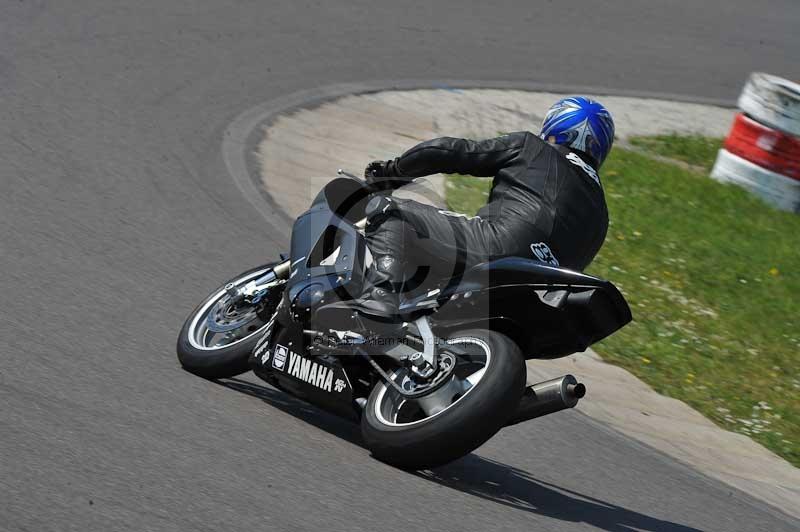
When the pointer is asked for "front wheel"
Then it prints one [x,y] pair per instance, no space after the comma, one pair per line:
[485,389]
[219,335]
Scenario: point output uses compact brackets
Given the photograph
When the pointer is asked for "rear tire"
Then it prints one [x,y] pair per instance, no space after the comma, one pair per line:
[222,362]
[461,428]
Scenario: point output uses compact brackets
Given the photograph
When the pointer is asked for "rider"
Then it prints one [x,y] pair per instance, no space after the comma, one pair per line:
[546,201]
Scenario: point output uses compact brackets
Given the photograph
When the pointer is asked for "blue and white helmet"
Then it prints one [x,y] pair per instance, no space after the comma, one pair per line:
[582,124]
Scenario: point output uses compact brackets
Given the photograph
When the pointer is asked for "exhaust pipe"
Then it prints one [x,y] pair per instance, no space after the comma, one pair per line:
[548,397]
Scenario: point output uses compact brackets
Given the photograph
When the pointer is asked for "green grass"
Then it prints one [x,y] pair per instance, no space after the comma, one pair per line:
[711,274]
[692,149]
[467,194]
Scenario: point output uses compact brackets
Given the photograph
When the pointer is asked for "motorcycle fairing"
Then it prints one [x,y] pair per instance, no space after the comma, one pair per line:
[320,380]
[327,254]
[551,312]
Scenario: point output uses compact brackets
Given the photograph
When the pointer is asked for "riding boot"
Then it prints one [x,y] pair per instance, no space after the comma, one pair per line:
[381,294]
[377,305]
[382,286]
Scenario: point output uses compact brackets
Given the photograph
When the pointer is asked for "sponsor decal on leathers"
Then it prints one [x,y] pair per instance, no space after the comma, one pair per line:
[543,253]
[577,161]
[459,215]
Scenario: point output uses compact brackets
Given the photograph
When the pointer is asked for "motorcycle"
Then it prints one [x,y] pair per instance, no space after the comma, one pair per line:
[427,388]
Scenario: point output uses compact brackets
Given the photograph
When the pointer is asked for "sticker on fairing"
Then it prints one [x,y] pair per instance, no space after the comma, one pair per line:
[310,372]
[262,349]
[279,360]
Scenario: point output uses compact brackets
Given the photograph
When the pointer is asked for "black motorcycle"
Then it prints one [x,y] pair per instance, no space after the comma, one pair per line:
[428,387]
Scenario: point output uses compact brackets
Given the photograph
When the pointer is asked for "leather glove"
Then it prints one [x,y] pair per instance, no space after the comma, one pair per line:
[379,169]
[384,175]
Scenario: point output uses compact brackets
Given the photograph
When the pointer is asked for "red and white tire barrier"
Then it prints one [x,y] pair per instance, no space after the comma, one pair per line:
[768,148]
[762,151]
[779,190]
[773,101]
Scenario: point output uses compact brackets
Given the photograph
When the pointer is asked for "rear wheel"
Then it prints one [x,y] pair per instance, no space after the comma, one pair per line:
[484,389]
[219,335]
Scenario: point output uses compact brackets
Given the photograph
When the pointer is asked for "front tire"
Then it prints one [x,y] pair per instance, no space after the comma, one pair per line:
[462,427]
[197,349]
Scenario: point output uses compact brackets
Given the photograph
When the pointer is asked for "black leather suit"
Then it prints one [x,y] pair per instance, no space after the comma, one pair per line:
[546,203]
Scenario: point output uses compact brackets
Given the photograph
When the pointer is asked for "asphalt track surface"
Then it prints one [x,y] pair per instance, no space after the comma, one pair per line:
[118,214]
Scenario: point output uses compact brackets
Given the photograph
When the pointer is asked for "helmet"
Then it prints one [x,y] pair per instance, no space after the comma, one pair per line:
[581,124]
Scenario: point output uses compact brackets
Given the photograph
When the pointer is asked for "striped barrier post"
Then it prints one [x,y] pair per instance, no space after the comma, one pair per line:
[762,150]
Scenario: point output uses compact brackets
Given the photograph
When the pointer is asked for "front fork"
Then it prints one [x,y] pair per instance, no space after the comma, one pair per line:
[281,271]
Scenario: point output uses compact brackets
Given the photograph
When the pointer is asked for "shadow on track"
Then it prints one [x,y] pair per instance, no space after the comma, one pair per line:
[312,415]
[516,488]
[481,477]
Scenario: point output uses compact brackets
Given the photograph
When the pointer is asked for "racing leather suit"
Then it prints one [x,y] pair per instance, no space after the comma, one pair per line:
[546,203]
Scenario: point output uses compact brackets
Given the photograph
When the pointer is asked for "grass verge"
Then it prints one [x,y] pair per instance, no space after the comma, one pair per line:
[711,275]
[692,149]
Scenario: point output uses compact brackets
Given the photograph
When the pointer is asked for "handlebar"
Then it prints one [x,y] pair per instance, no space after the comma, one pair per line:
[351,175]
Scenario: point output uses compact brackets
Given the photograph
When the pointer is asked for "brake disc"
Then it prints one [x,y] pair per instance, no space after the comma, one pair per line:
[228,315]
[413,388]
[410,388]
